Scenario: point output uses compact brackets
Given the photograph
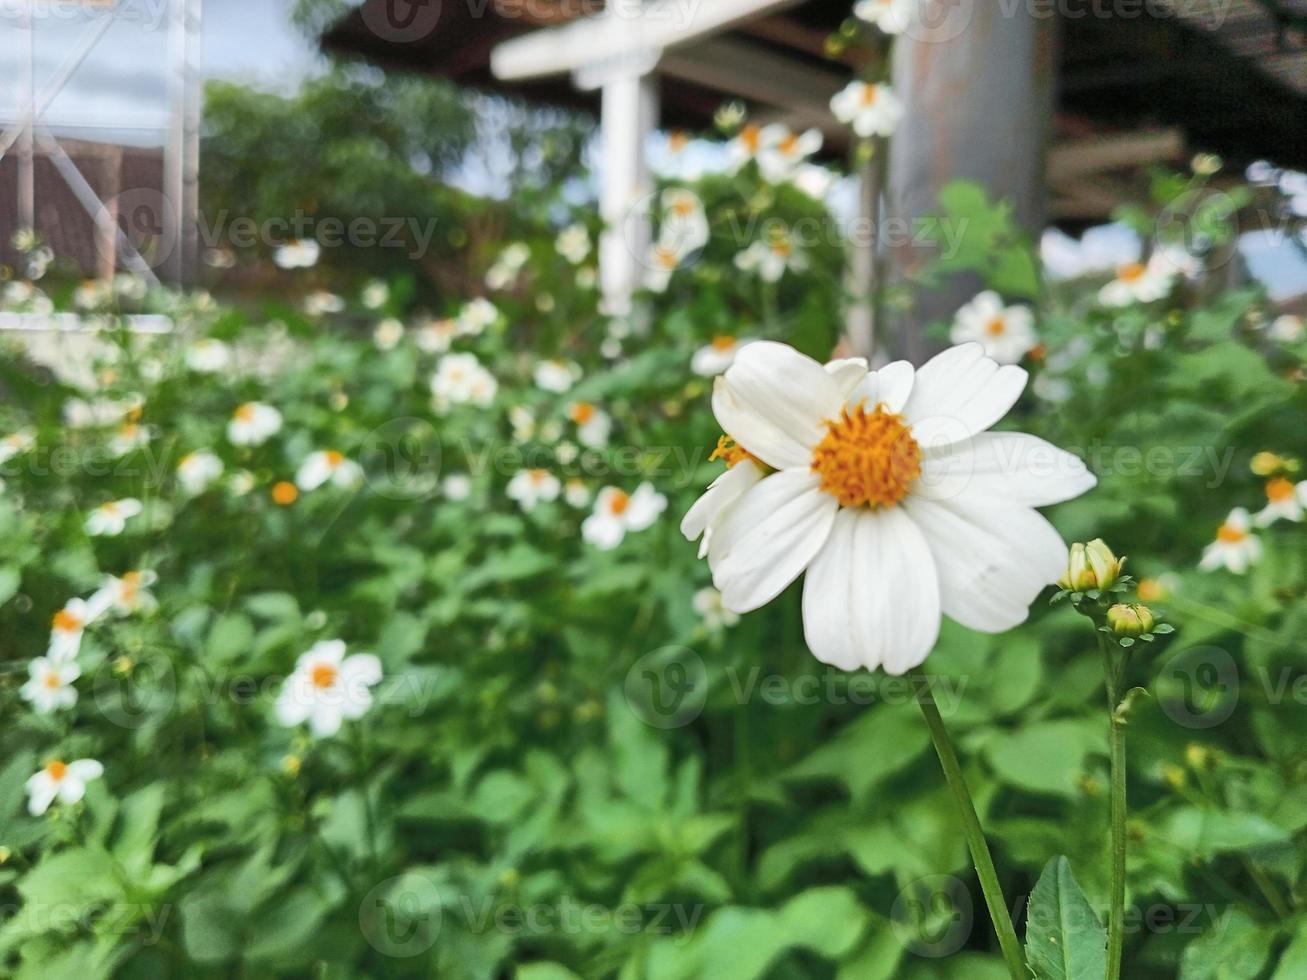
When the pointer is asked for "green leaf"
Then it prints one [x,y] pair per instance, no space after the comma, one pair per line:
[1206,832]
[1234,948]
[230,639]
[10,578]
[544,971]
[1048,756]
[1064,939]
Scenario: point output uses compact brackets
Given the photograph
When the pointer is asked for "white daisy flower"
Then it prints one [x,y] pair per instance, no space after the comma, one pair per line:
[1235,548]
[110,519]
[16,443]
[387,334]
[127,438]
[708,604]
[1137,282]
[871,108]
[593,425]
[198,471]
[50,686]
[327,687]
[476,315]
[684,226]
[435,336]
[772,258]
[530,487]
[556,376]
[320,302]
[1007,333]
[617,512]
[253,424]
[576,493]
[889,16]
[744,147]
[457,486]
[782,151]
[208,356]
[663,259]
[127,594]
[297,254]
[1284,501]
[93,294]
[64,781]
[886,488]
[328,465]
[375,294]
[1286,329]
[67,627]
[460,379]
[715,357]
[573,243]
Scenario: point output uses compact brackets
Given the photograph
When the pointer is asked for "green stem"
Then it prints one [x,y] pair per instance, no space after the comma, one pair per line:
[980,856]
[1116,736]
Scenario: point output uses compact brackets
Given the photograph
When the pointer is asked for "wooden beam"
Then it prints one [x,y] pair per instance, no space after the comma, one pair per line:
[628,114]
[1079,158]
[757,74]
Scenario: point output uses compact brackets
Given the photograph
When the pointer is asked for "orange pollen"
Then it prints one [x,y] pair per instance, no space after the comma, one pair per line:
[334,458]
[868,95]
[1230,535]
[56,769]
[666,257]
[749,136]
[731,452]
[284,493]
[111,507]
[323,676]
[678,141]
[131,585]
[996,327]
[684,207]
[245,413]
[1131,272]
[52,682]
[723,342]
[619,502]
[539,476]
[1279,490]
[867,458]
[789,145]
[582,412]
[781,247]
[66,622]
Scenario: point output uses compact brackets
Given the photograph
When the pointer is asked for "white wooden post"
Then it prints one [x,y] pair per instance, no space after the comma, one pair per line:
[628,114]
[863,251]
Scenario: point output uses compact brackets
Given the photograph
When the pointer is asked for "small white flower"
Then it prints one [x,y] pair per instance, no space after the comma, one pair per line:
[772,258]
[781,151]
[208,356]
[79,414]
[555,376]
[93,294]
[198,471]
[110,519]
[127,593]
[593,425]
[744,147]
[1235,547]
[328,465]
[375,294]
[890,16]
[617,512]
[871,108]
[573,243]
[387,334]
[327,687]
[457,486]
[435,336]
[586,278]
[663,259]
[576,493]
[127,438]
[1007,333]
[530,487]
[508,266]
[460,379]
[253,424]
[523,422]
[1284,501]
[713,358]
[16,443]
[476,315]
[65,781]
[50,687]
[297,254]
[320,302]
[715,616]
[241,483]
[67,626]
[1137,282]
[684,227]
[1286,329]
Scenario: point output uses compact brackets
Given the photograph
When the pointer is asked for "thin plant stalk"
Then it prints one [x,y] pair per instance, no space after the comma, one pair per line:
[975,834]
[1116,737]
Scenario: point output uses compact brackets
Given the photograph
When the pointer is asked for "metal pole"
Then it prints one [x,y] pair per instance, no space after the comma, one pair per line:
[26,155]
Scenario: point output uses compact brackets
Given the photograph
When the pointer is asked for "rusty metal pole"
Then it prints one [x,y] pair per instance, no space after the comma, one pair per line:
[977,82]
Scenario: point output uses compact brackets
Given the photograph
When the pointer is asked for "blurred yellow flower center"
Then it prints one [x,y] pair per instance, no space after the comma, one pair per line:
[334,458]
[723,342]
[539,476]
[284,494]
[1151,590]
[56,770]
[868,95]
[867,458]
[749,137]
[790,145]
[52,682]
[110,508]
[619,502]
[245,413]
[1230,534]
[131,584]
[582,412]
[66,622]
[995,327]
[323,676]
[1131,272]
[684,207]
[1279,490]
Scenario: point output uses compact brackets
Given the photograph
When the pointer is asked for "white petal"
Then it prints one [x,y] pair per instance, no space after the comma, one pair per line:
[71,789]
[828,598]
[769,537]
[960,393]
[992,559]
[41,793]
[325,719]
[891,386]
[773,401]
[644,507]
[1006,466]
[360,669]
[721,493]
[85,769]
[848,373]
[294,701]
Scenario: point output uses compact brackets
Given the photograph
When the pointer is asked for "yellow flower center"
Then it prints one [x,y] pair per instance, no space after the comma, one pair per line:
[582,412]
[731,452]
[245,413]
[52,682]
[334,458]
[790,145]
[723,342]
[56,769]
[749,137]
[1230,534]
[284,493]
[619,502]
[868,95]
[867,458]
[1131,272]
[323,676]
[996,327]
[66,622]
[1279,490]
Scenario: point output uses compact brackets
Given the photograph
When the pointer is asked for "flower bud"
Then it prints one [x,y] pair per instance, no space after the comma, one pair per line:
[1091,566]
[1130,620]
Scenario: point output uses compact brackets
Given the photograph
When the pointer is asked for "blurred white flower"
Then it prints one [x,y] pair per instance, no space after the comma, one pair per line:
[457,486]
[617,512]
[556,376]
[16,443]
[208,356]
[743,147]
[684,225]
[715,357]
[93,294]
[530,487]
[576,493]
[328,465]
[871,108]
[523,421]
[476,315]
[1007,333]
[1284,501]
[198,471]
[573,243]
[297,254]
[110,519]
[593,425]
[782,151]
[890,16]
[460,379]
[320,302]
[1137,282]
[435,336]
[375,294]
[1286,329]
[772,258]
[65,781]
[127,593]
[327,687]
[240,483]
[663,259]
[708,604]
[79,414]
[127,438]
[50,685]
[1235,548]
[253,424]
[387,334]
[67,626]
[508,266]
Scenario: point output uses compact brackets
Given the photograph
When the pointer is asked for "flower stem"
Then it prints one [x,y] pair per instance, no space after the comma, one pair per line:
[1116,736]
[980,856]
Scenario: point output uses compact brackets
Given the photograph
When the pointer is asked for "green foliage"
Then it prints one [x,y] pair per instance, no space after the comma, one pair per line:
[1064,939]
